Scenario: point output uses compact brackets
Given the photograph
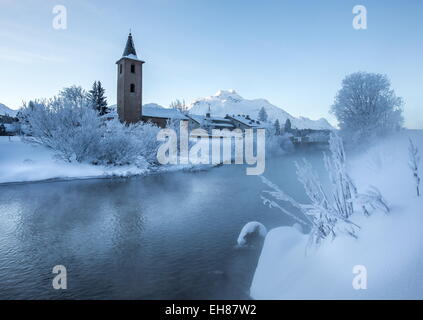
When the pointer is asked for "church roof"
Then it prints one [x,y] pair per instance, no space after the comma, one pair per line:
[165,113]
[129,48]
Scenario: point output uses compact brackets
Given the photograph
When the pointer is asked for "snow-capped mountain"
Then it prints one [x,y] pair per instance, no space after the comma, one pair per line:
[229,102]
[7,111]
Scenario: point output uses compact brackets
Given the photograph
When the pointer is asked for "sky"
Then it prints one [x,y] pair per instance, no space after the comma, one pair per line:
[293,53]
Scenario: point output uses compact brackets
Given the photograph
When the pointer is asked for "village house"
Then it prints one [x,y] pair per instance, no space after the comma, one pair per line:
[161,116]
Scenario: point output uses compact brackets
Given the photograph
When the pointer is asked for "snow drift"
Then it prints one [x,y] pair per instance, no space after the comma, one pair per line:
[388,246]
[248,230]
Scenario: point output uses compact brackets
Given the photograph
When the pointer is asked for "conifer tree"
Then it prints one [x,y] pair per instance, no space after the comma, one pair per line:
[98,99]
[262,116]
[277,127]
[287,127]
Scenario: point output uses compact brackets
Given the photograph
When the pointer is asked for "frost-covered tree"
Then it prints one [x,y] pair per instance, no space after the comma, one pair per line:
[97,98]
[366,106]
[70,126]
[74,96]
[287,126]
[66,123]
[134,144]
[330,208]
[277,127]
[414,162]
[262,115]
[179,105]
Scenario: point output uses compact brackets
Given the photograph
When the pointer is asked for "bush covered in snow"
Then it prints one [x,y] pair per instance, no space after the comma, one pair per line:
[70,126]
[330,208]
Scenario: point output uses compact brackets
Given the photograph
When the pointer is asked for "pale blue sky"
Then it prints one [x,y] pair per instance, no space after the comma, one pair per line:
[292,52]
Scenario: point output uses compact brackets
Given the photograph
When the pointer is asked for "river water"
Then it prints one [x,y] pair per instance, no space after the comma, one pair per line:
[168,236]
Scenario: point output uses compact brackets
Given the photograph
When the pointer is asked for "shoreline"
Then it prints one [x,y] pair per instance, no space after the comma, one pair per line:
[111,177]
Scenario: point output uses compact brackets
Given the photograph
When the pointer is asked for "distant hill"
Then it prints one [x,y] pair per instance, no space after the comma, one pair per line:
[7,111]
[229,102]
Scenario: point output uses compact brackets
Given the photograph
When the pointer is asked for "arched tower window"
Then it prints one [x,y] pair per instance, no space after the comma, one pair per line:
[120,68]
[132,88]
[132,68]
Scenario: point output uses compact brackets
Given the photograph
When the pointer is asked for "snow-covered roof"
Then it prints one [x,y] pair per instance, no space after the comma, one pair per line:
[197,118]
[165,113]
[132,57]
[248,122]
[212,121]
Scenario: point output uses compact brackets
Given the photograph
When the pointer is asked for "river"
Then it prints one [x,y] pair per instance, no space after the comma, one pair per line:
[167,236]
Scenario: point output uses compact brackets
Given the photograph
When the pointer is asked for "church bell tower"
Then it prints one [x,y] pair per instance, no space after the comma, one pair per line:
[129,84]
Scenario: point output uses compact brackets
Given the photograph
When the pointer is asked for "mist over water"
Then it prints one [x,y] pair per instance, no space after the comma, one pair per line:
[170,236]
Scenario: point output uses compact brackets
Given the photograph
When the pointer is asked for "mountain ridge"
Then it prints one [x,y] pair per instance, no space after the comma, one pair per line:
[6,110]
[230,102]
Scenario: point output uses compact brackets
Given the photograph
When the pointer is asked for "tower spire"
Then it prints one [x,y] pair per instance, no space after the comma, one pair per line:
[129,48]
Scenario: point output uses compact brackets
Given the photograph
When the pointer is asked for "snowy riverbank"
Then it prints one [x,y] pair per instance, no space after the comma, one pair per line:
[389,246]
[22,162]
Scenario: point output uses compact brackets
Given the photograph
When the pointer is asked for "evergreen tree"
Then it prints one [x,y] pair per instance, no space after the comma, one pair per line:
[287,127]
[98,99]
[277,127]
[2,129]
[262,116]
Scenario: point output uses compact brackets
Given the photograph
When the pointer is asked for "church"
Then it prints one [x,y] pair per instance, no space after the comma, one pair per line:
[131,110]
[129,92]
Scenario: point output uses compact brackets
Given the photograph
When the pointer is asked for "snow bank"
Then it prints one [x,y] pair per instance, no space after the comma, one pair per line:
[298,227]
[249,229]
[23,162]
[389,246]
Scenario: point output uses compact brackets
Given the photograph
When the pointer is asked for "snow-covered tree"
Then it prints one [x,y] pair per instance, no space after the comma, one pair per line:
[97,98]
[262,115]
[74,96]
[366,106]
[414,162]
[127,144]
[287,126]
[329,211]
[73,129]
[179,105]
[66,123]
[277,127]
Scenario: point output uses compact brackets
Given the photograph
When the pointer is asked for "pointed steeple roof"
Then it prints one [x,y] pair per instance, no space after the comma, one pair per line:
[129,48]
